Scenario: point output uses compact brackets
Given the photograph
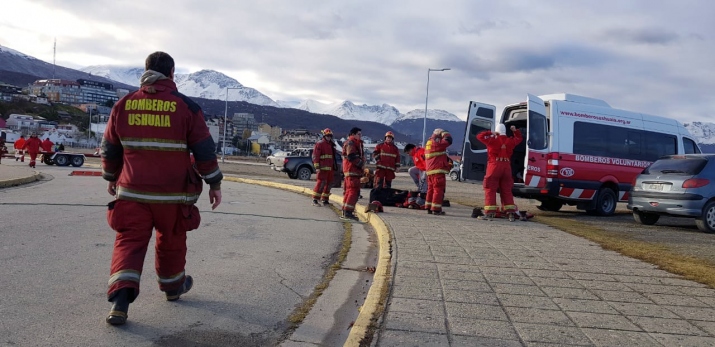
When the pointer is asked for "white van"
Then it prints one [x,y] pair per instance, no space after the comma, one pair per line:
[576,150]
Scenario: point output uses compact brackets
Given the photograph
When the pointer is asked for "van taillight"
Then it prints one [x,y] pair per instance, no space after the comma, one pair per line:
[552,165]
[696,182]
[285,161]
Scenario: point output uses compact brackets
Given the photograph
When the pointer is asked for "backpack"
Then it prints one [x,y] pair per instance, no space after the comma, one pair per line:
[389,196]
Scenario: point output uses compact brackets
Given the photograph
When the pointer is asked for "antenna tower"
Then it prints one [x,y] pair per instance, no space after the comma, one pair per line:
[54,57]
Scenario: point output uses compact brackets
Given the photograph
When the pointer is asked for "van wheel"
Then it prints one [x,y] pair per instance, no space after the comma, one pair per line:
[453,176]
[706,222]
[646,218]
[605,203]
[550,205]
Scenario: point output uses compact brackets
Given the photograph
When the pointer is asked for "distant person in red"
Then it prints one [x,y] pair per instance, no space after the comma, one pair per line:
[47,145]
[498,177]
[32,146]
[20,149]
[388,160]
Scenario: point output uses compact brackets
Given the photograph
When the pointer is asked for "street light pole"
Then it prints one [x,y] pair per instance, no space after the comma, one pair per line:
[424,124]
[225,125]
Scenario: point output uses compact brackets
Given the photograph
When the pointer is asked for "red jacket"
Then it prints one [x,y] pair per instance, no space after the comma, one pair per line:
[353,157]
[499,148]
[20,143]
[324,156]
[146,146]
[47,145]
[418,157]
[32,144]
[436,154]
[388,156]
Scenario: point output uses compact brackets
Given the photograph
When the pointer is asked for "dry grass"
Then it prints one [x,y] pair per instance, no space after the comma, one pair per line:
[691,268]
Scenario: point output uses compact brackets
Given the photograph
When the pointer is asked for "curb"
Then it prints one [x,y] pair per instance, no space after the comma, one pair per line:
[19,181]
[373,300]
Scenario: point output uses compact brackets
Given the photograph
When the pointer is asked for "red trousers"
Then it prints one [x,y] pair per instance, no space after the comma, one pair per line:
[351,193]
[383,178]
[498,177]
[436,185]
[33,157]
[134,222]
[321,191]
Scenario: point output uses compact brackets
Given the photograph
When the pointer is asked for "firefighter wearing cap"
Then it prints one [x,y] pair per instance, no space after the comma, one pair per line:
[32,147]
[353,165]
[437,169]
[324,162]
[388,160]
[498,176]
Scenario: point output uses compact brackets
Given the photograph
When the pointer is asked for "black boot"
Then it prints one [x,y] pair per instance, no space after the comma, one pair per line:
[118,312]
[173,295]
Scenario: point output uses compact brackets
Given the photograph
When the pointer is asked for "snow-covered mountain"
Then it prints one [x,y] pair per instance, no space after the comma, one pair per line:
[208,84]
[703,132]
[385,114]
[431,114]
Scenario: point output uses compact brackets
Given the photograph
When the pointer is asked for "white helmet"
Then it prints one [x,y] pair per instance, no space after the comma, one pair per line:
[501,129]
[438,131]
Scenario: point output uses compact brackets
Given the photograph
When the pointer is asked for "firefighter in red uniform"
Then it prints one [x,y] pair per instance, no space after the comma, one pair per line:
[19,146]
[437,169]
[499,150]
[32,146]
[146,159]
[388,160]
[353,163]
[47,145]
[324,157]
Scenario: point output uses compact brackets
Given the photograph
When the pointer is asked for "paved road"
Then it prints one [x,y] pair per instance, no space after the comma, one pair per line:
[253,261]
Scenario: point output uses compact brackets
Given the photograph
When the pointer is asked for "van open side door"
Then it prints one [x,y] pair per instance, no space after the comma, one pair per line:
[537,143]
[474,153]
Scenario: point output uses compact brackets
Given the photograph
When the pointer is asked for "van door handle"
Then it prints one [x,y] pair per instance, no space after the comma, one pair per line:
[532,159]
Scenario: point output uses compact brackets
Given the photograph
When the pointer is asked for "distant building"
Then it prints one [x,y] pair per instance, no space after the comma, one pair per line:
[8,92]
[243,121]
[57,90]
[97,92]
[22,123]
[293,139]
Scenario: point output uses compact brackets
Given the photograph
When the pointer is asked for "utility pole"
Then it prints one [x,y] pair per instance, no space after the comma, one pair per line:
[54,58]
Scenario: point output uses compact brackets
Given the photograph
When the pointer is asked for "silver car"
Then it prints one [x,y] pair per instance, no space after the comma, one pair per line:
[676,185]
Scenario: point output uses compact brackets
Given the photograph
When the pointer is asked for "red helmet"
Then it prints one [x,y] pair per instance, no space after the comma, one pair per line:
[327,132]
[377,205]
[390,134]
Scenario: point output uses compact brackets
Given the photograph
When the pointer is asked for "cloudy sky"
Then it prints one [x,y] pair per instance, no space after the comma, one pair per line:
[651,56]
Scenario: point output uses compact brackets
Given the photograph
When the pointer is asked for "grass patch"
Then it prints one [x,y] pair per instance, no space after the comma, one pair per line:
[691,268]
[300,312]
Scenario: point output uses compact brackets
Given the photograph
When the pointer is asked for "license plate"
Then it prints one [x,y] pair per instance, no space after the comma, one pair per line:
[660,187]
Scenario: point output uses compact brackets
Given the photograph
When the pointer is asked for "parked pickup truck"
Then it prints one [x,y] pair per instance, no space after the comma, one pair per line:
[301,166]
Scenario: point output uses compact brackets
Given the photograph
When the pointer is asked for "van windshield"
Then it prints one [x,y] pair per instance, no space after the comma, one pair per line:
[678,166]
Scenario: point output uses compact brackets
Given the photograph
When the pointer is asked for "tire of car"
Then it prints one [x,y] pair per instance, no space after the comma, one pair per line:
[550,205]
[706,222]
[605,202]
[304,173]
[645,218]
[453,176]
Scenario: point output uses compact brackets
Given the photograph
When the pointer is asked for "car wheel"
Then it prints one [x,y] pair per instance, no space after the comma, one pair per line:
[304,173]
[550,205]
[453,176]
[646,218]
[77,161]
[61,160]
[605,202]
[706,222]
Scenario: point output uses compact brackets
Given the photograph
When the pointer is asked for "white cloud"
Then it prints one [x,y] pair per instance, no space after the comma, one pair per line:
[652,56]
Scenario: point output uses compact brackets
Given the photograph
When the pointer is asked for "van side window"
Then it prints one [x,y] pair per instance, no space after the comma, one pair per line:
[611,141]
[689,146]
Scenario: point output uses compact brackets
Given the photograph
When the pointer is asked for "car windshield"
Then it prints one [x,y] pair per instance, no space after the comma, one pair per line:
[681,165]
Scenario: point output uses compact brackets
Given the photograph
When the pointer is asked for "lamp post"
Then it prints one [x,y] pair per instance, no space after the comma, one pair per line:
[225,125]
[89,130]
[424,125]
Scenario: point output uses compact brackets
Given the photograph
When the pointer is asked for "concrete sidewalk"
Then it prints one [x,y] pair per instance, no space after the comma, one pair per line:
[14,173]
[459,281]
